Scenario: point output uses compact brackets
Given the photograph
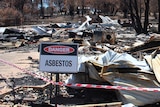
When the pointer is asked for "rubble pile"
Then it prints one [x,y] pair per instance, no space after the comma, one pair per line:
[108,54]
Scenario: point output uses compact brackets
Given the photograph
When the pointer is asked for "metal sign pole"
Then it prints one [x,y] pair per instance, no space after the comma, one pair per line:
[57,89]
[51,89]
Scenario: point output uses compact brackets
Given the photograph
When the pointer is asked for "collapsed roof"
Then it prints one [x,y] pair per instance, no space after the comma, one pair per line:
[12,31]
[120,70]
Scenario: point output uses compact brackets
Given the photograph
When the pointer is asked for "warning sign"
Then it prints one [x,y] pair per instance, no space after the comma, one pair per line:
[58,57]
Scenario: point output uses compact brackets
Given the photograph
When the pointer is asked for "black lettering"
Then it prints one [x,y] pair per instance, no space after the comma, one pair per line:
[70,63]
[51,62]
[57,62]
[60,63]
[65,63]
[46,64]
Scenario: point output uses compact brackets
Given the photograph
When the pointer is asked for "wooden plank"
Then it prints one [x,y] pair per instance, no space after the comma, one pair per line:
[112,104]
[4,92]
[148,49]
[38,86]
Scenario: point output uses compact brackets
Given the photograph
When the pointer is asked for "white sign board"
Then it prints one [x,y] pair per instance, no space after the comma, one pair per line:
[58,57]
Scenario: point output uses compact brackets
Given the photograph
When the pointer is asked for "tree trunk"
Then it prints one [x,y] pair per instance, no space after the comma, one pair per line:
[42,10]
[146,21]
[135,17]
[82,7]
[159,16]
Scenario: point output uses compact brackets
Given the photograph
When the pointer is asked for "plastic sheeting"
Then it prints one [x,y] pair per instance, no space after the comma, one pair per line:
[110,59]
[119,60]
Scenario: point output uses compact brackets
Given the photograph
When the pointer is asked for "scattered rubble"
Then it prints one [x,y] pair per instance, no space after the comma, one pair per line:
[109,54]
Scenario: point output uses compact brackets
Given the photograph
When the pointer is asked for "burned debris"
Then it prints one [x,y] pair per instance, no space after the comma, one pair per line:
[109,54]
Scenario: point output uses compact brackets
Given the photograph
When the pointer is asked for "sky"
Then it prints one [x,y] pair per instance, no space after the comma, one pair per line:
[45,3]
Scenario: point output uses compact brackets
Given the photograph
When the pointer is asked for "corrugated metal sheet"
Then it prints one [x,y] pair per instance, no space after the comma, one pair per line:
[154,63]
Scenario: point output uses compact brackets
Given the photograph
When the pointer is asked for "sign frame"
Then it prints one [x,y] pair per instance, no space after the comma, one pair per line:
[58,57]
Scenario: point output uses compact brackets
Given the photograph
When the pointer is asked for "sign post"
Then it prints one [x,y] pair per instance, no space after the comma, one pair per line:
[51,89]
[58,58]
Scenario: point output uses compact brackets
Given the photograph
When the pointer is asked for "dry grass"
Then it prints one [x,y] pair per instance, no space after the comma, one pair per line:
[55,19]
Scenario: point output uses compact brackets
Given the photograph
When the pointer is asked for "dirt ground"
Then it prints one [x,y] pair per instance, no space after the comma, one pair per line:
[16,57]
[19,59]
[14,61]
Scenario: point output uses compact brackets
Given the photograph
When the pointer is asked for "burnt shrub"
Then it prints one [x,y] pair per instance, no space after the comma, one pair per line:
[10,17]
